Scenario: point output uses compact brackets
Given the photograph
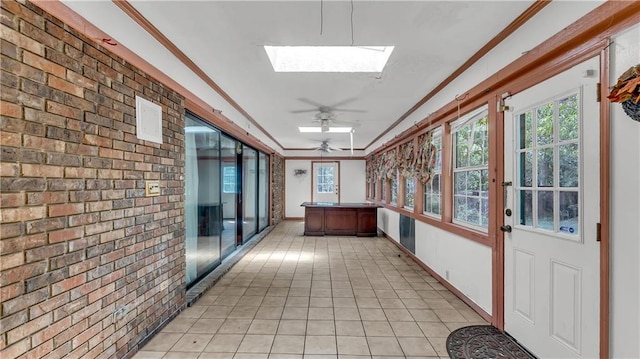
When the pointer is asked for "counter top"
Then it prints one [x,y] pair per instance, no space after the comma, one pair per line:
[340,205]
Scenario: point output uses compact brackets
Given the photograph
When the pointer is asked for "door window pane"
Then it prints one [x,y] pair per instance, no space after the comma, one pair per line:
[545,167]
[526,208]
[229,198]
[249,191]
[569,212]
[568,118]
[544,120]
[263,191]
[569,166]
[325,179]
[545,210]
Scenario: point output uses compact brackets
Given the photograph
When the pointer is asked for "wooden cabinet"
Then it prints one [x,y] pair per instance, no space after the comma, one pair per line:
[340,219]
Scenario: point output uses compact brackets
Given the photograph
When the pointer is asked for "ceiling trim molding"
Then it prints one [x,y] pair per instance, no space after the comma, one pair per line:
[529,13]
[324,158]
[136,16]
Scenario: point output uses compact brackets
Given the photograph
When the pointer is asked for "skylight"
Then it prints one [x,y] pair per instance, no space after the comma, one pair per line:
[318,129]
[328,58]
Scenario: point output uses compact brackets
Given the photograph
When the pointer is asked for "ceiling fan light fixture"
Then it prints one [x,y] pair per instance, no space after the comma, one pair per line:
[314,129]
[328,58]
[339,129]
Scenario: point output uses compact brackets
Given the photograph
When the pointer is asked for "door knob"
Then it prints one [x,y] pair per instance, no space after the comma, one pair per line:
[506,228]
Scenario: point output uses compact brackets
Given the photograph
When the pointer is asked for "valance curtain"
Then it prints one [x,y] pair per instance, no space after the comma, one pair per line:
[426,157]
[407,160]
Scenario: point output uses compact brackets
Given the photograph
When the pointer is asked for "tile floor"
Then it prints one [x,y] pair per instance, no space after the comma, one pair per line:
[295,297]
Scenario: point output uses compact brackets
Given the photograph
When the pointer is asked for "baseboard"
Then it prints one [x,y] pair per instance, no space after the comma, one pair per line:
[481,312]
[294,218]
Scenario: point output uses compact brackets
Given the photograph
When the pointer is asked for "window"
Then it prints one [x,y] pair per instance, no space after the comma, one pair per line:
[229,179]
[548,166]
[470,171]
[394,189]
[384,189]
[409,192]
[432,190]
[325,179]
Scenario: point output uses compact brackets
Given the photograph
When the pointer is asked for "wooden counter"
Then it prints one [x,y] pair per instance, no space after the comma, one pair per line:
[340,219]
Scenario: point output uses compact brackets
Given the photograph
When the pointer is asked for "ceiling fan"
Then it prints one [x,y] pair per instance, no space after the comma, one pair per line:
[326,148]
[318,107]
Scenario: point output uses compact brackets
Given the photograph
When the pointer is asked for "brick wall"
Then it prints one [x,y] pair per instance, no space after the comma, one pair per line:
[79,239]
[277,189]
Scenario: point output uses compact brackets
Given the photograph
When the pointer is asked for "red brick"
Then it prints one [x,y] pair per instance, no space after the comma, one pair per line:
[40,351]
[65,234]
[22,41]
[43,64]
[9,170]
[29,328]
[10,109]
[79,172]
[65,209]
[11,260]
[109,153]
[9,322]
[63,110]
[11,291]
[34,198]
[86,335]
[49,305]
[17,349]
[99,206]
[68,284]
[97,141]
[81,81]
[30,170]
[84,266]
[23,302]
[112,174]
[65,86]
[21,243]
[22,214]
[42,143]
[51,331]
[10,139]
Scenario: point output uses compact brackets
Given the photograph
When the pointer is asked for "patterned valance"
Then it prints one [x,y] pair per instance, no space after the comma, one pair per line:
[390,163]
[407,160]
[426,157]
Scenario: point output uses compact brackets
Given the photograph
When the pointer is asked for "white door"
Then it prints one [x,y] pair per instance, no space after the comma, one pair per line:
[326,176]
[551,269]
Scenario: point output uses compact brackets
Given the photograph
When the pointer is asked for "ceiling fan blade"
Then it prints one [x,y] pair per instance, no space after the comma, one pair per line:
[303,111]
[345,123]
[342,103]
[348,110]
[312,103]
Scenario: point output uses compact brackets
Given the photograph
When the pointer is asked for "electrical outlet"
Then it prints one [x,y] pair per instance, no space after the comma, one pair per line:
[446,275]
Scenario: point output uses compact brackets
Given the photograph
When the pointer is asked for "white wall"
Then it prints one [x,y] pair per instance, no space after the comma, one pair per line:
[625,209]
[467,262]
[298,188]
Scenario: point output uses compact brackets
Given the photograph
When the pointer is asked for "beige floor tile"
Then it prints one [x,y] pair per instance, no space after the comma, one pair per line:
[278,292]
[344,302]
[295,313]
[363,292]
[372,314]
[321,302]
[391,303]
[181,355]
[449,315]
[406,329]
[440,345]
[224,343]
[320,356]
[386,293]
[344,356]
[343,293]
[297,301]
[250,300]
[227,300]
[367,302]
[415,303]
[378,329]
[250,356]
[398,315]
[256,291]
[256,343]
[243,312]
[300,291]
[346,313]
[162,342]
[288,344]
[320,314]
[206,326]
[144,354]
[273,301]
[414,346]
[193,312]
[235,326]
[438,303]
[263,326]
[384,346]
[217,311]
[281,283]
[321,327]
[429,294]
[349,328]
[292,327]
[320,344]
[424,315]
[269,312]
[286,356]
[321,292]
[179,325]
[434,329]
[340,284]
[352,345]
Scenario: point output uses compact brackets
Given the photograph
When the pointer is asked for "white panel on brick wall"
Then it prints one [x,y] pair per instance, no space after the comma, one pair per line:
[148,120]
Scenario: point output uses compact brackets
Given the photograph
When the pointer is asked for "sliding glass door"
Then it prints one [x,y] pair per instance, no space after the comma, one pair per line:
[249,192]
[202,198]
[230,192]
[263,191]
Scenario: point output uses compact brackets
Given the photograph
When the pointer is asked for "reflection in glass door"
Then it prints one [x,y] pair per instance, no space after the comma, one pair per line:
[249,192]
[202,199]
[263,191]
[229,175]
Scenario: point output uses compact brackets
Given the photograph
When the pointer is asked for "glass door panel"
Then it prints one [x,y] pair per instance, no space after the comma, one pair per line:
[249,191]
[263,191]
[202,199]
[229,179]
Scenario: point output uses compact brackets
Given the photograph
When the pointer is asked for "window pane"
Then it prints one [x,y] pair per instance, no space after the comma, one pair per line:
[384,190]
[462,150]
[479,150]
[409,192]
[435,184]
[545,167]
[569,213]
[569,165]
[460,211]
[526,131]
[473,210]
[526,208]
[484,183]
[435,208]
[485,212]
[526,168]
[473,183]
[568,118]
[545,210]
[394,190]
[544,116]
[437,141]
[460,182]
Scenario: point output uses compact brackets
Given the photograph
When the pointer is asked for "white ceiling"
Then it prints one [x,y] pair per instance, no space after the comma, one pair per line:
[225,38]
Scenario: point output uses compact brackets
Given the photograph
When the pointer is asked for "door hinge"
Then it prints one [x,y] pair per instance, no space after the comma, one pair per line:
[598,232]
[598,92]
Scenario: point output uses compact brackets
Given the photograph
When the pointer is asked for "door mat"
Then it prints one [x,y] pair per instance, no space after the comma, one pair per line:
[484,342]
